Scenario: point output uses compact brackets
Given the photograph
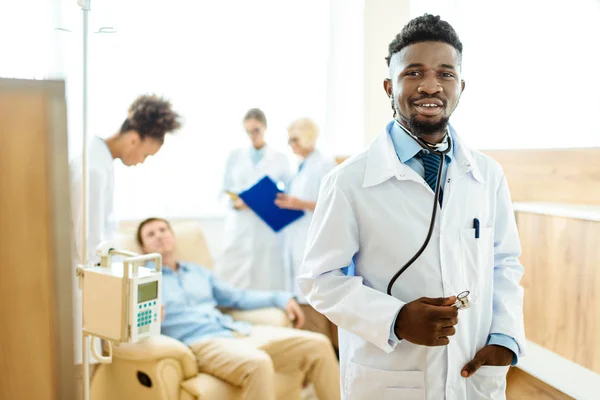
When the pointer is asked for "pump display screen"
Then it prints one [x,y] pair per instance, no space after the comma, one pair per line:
[147,291]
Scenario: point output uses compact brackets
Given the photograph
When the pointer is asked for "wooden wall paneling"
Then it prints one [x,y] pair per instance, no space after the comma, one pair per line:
[522,386]
[551,175]
[36,334]
[561,282]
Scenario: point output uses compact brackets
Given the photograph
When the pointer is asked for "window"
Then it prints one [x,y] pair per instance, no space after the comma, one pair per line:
[28,45]
[213,60]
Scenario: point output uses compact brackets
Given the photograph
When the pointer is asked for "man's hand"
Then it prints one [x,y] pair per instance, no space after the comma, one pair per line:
[427,321]
[288,202]
[489,355]
[295,313]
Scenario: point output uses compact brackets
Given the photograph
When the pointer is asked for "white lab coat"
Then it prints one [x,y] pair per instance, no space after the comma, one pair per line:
[252,256]
[101,223]
[377,209]
[305,186]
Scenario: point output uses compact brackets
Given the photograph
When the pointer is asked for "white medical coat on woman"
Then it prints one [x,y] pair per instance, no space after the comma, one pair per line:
[252,256]
[377,209]
[101,223]
[305,186]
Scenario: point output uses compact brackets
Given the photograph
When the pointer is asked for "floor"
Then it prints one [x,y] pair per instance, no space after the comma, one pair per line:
[522,386]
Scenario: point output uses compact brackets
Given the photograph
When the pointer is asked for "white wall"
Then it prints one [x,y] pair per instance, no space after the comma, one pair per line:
[345,88]
[383,20]
[530,69]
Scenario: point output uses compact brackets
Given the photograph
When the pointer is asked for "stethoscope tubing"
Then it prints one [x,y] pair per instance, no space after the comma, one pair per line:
[441,154]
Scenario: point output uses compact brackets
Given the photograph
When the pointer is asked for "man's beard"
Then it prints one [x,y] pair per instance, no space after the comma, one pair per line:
[420,128]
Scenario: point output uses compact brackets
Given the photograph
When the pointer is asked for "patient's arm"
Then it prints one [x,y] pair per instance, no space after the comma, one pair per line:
[229,297]
[264,316]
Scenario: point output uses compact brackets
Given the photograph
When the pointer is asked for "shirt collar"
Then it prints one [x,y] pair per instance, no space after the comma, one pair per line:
[405,146]
[313,155]
[106,155]
[383,163]
[259,153]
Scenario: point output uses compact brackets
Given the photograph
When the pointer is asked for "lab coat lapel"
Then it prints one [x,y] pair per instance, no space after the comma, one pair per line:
[383,163]
[464,160]
[267,157]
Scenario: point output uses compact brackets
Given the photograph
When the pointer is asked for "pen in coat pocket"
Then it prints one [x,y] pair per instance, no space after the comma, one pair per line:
[476,226]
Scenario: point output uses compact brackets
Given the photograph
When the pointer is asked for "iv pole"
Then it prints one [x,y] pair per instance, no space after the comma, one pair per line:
[85,6]
[85,342]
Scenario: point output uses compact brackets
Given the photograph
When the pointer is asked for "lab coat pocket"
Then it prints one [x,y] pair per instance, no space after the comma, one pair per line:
[477,259]
[488,382]
[404,394]
[372,383]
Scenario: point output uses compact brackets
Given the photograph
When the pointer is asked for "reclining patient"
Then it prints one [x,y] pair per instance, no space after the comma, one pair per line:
[244,355]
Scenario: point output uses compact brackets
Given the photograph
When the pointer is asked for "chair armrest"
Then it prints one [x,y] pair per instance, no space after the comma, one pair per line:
[157,348]
[264,316]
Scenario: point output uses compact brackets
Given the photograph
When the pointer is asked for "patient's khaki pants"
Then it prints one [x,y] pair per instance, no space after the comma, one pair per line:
[317,322]
[251,362]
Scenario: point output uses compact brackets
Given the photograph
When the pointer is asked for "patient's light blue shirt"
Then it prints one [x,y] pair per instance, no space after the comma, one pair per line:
[191,296]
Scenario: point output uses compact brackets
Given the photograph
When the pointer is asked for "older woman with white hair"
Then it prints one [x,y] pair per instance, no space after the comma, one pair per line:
[302,195]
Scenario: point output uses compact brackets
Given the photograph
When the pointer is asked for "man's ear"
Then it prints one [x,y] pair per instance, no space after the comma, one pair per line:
[462,86]
[388,87]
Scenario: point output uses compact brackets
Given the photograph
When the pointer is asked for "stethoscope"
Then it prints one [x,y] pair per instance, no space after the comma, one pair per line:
[462,299]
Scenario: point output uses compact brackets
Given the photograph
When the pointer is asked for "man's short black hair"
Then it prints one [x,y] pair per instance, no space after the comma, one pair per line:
[427,28]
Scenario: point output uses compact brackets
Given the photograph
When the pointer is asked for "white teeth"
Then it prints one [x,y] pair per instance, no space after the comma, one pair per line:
[428,105]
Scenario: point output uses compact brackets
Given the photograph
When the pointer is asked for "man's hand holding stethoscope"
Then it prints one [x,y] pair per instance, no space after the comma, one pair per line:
[428,321]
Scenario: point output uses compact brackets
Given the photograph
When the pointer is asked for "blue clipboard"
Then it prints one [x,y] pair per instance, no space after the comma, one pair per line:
[261,199]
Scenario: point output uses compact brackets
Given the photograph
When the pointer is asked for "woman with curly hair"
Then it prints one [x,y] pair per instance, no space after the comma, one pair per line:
[141,135]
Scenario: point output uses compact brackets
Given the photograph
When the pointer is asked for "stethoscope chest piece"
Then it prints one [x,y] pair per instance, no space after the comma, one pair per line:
[462,300]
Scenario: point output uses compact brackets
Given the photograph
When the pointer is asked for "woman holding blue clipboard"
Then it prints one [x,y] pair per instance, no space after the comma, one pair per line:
[252,254]
[302,195]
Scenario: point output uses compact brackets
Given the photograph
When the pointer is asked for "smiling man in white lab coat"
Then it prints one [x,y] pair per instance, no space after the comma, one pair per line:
[373,213]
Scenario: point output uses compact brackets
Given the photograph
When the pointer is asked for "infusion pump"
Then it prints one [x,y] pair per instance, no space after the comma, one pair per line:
[122,300]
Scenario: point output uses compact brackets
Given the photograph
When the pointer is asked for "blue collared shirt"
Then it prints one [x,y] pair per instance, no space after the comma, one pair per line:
[406,150]
[191,296]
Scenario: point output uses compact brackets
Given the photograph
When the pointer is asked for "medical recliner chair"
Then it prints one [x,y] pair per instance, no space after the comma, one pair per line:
[162,368]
